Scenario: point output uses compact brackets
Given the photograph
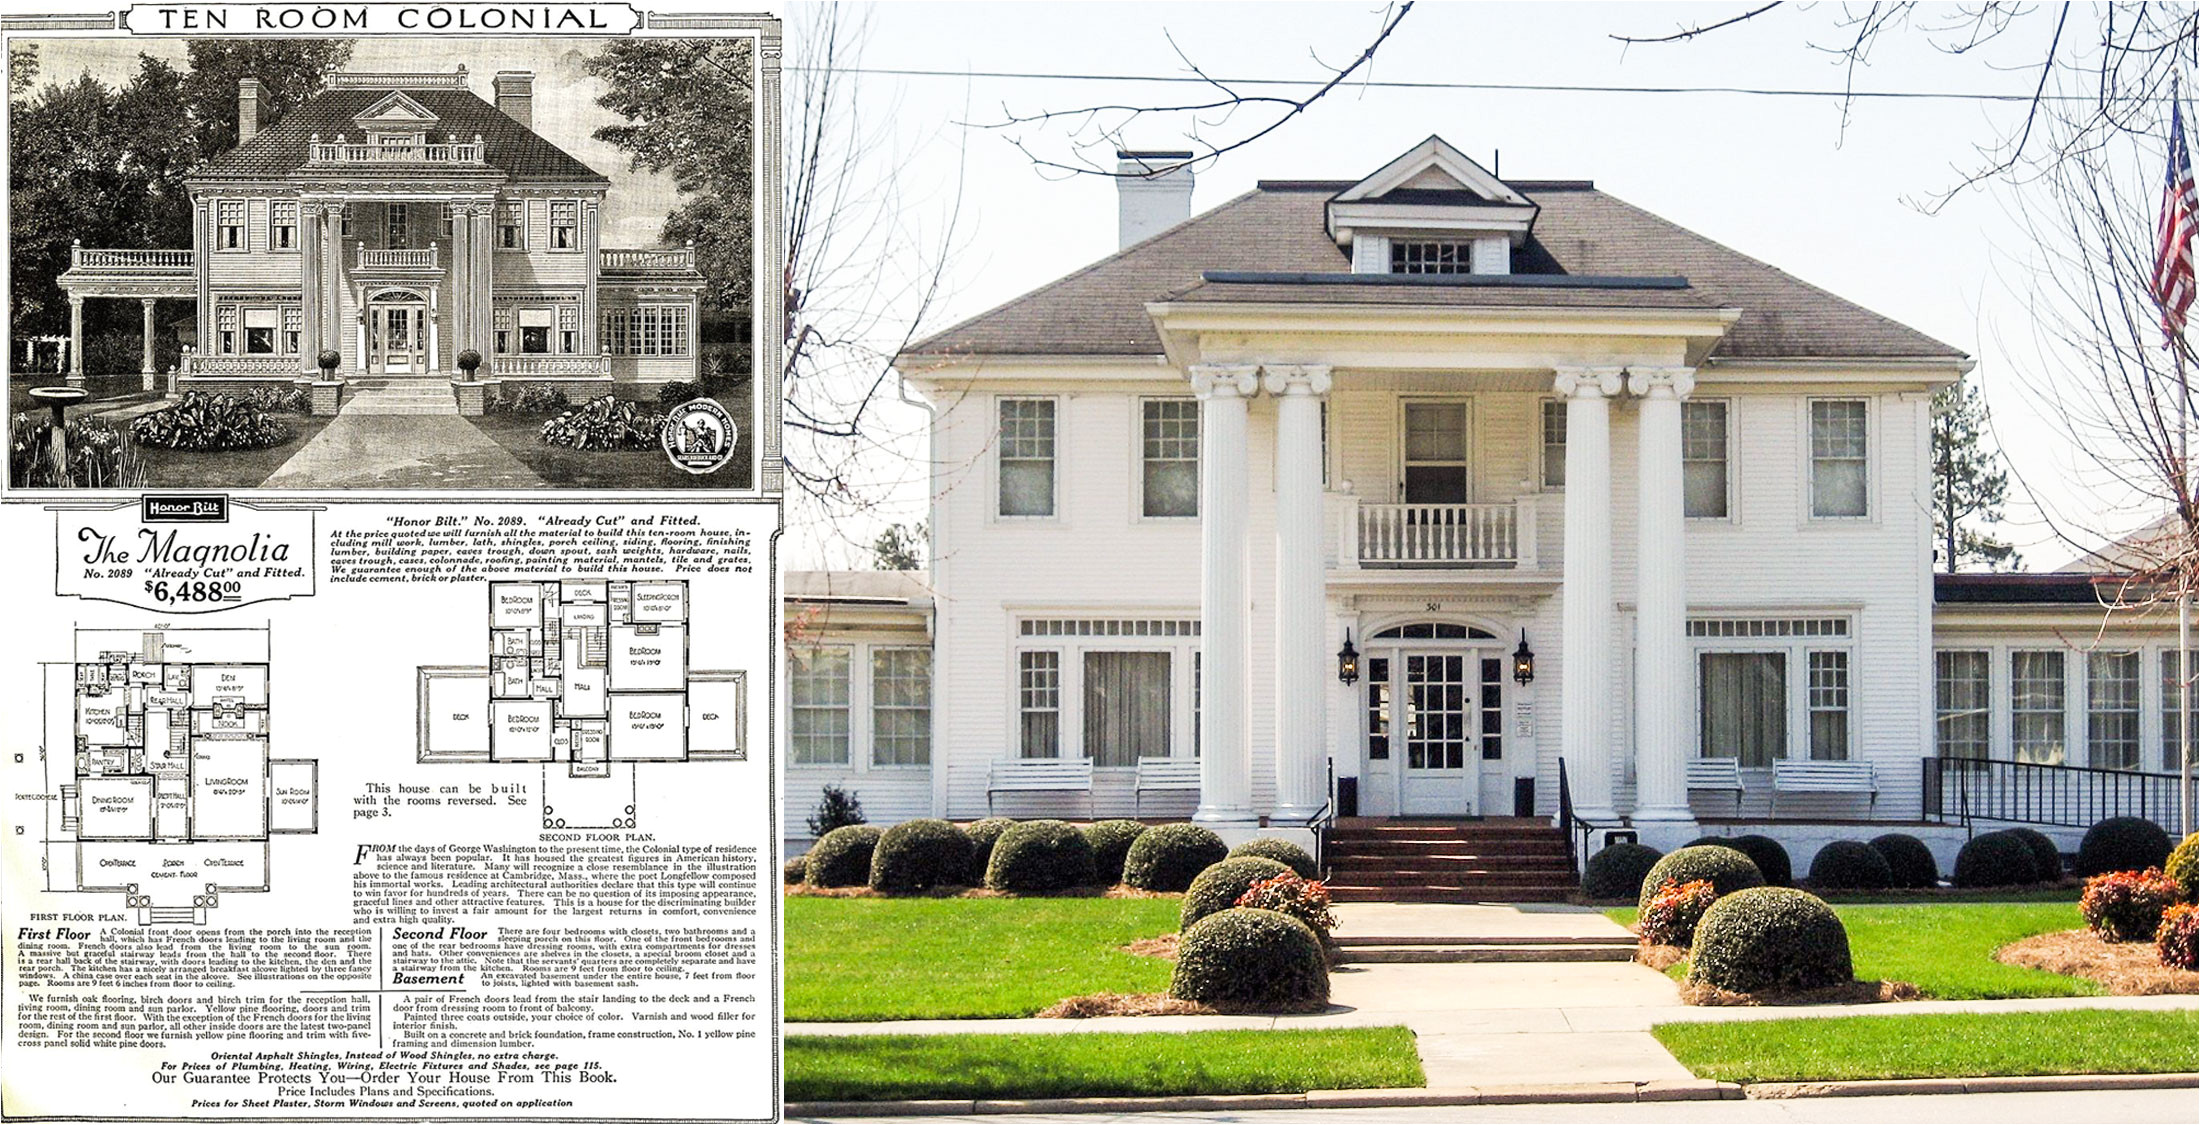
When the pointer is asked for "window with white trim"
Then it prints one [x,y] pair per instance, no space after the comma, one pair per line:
[1840,459]
[565,224]
[1743,706]
[448,221]
[1963,702]
[569,328]
[282,224]
[294,322]
[1169,452]
[229,224]
[2112,710]
[817,692]
[344,222]
[1770,688]
[1027,457]
[260,329]
[225,328]
[1829,704]
[2036,696]
[1435,441]
[901,706]
[645,330]
[397,226]
[534,330]
[1704,486]
[1126,706]
[2173,711]
[1431,256]
[1039,703]
[512,225]
[1113,690]
[1554,443]
[501,321]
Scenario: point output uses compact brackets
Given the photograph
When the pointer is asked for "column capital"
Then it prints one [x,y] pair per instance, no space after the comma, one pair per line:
[76,300]
[1296,378]
[1589,382]
[1662,382]
[1225,380]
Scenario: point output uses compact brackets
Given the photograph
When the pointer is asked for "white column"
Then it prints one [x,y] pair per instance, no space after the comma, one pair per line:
[309,287]
[76,339]
[1226,754]
[332,280]
[1662,710]
[462,278]
[145,368]
[1302,776]
[1585,696]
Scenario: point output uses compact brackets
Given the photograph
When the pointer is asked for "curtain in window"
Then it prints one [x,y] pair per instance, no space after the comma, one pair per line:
[2112,699]
[2036,706]
[1838,450]
[1170,449]
[1961,687]
[1027,457]
[1744,706]
[1126,707]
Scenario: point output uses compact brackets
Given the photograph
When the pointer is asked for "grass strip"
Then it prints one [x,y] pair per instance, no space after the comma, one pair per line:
[1952,1045]
[1097,1064]
[973,958]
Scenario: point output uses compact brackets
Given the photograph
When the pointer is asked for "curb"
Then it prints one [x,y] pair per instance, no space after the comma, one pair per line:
[1694,1090]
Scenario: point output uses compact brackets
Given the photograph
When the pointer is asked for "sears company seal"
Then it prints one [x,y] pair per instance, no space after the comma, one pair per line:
[698,435]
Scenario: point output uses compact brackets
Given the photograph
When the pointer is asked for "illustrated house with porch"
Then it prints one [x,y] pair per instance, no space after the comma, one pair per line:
[400,220]
[1436,495]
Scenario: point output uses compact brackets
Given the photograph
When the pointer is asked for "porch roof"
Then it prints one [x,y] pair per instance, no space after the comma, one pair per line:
[511,147]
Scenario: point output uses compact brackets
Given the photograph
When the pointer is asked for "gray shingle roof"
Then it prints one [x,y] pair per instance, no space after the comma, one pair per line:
[513,148]
[1278,227]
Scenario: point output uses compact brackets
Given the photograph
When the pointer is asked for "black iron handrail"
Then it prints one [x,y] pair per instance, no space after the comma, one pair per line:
[1569,823]
[1968,789]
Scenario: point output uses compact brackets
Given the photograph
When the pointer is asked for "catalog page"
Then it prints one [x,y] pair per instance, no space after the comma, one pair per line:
[392,511]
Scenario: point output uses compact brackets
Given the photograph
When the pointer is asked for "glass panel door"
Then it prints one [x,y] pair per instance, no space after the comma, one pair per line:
[1436,728]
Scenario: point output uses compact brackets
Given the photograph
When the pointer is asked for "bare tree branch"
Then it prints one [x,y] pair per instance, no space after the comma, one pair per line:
[1700,29]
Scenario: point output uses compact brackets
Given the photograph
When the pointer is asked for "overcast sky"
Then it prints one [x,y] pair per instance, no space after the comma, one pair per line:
[1778,177]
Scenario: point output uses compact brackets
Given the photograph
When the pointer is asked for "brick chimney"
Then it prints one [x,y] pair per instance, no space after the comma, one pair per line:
[516,95]
[1151,204]
[248,108]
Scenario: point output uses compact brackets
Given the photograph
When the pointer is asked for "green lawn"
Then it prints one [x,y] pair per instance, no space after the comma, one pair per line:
[965,958]
[1937,1046]
[1097,1064]
[521,436]
[1947,949]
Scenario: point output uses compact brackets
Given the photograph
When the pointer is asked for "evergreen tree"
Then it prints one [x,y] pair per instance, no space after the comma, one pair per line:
[1969,482]
[899,547]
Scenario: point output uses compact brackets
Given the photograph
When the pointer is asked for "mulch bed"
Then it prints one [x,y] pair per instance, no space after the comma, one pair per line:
[2128,968]
[1124,1004]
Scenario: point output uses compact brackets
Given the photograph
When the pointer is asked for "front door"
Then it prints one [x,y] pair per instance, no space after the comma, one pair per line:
[1433,712]
[397,339]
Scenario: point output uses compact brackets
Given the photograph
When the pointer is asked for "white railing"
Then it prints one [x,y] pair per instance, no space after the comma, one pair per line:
[253,365]
[395,80]
[80,258]
[682,259]
[1437,535]
[427,259]
[341,153]
[550,366]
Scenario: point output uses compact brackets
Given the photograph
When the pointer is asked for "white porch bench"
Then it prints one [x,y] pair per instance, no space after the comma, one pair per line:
[1040,775]
[1717,773]
[1803,775]
[1165,775]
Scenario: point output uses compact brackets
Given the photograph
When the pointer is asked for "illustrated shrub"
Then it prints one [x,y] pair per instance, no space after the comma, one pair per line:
[917,855]
[836,808]
[1170,856]
[2127,905]
[2122,843]
[983,835]
[1219,887]
[1039,855]
[1243,959]
[1282,851]
[1996,859]
[2177,940]
[1726,869]
[676,392]
[329,358]
[98,455]
[1674,911]
[842,857]
[535,398]
[2046,857]
[1304,899]
[2184,866]
[1909,860]
[1111,841]
[1770,938]
[469,361]
[1850,865]
[604,422]
[200,422]
[282,400]
[794,870]
[1618,870]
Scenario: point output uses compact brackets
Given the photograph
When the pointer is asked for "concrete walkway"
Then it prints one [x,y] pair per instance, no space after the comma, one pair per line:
[402,451]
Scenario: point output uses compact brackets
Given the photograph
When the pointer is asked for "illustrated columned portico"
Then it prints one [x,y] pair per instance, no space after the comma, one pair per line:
[1226,755]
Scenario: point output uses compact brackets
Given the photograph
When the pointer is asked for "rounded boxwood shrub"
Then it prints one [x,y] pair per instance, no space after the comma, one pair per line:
[1767,938]
[794,870]
[1618,870]
[842,857]
[2184,866]
[1850,865]
[918,855]
[1282,851]
[1169,857]
[1243,958]
[1996,859]
[983,834]
[1909,859]
[2046,857]
[1764,851]
[1111,841]
[2122,843]
[1040,855]
[1726,869]
[1219,887]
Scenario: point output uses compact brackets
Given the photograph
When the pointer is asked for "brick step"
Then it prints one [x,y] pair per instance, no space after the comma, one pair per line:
[1386,851]
[1451,894]
[1486,841]
[1625,941]
[1497,877]
[1467,953]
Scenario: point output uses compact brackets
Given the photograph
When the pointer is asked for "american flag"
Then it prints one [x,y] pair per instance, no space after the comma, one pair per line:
[2173,271]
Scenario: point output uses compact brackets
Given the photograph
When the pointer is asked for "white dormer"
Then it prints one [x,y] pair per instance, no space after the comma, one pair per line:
[1433,210]
[396,120]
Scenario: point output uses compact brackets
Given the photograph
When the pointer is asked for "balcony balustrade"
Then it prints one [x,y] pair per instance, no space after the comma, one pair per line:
[428,259]
[1435,536]
[340,151]
[149,261]
[644,261]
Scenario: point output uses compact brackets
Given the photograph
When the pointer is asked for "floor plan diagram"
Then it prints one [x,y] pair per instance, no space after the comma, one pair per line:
[160,783]
[587,674]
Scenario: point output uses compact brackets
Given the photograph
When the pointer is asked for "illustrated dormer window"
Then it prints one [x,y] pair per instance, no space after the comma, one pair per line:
[1431,256]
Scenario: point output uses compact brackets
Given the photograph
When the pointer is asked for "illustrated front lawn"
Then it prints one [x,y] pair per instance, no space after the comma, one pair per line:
[1097,1064]
[1954,1045]
[1947,949]
[965,958]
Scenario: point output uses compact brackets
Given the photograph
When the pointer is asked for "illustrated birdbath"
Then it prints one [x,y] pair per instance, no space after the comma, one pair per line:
[59,399]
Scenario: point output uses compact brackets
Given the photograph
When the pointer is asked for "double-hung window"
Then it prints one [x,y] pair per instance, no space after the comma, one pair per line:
[1840,459]
[1963,703]
[2173,710]
[1704,488]
[449,219]
[1436,452]
[229,224]
[1829,704]
[225,328]
[2112,710]
[1554,443]
[1027,456]
[2036,695]
[1039,703]
[1169,448]
[818,695]
[294,322]
[397,227]
[901,706]
[512,225]
[565,224]
[260,327]
[534,330]
[282,224]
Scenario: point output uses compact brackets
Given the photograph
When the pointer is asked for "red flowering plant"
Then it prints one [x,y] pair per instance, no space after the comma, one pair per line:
[1304,899]
[2127,905]
[2177,941]
[1674,910]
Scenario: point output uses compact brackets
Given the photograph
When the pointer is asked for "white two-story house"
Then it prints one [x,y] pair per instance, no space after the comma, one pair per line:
[1406,497]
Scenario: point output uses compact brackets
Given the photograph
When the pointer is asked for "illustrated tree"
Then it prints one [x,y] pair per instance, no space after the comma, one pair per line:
[1969,482]
[288,70]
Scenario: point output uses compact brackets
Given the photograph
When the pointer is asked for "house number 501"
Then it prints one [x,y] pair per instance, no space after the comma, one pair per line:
[1435,607]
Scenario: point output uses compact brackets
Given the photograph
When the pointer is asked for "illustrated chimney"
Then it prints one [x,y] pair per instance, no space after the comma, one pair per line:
[248,108]
[516,95]
[1151,201]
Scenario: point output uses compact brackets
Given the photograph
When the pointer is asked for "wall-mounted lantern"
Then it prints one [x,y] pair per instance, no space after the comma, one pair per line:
[1523,662]
[1348,662]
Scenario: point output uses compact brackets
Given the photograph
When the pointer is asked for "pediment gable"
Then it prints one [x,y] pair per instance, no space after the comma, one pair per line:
[395,112]
[1434,165]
